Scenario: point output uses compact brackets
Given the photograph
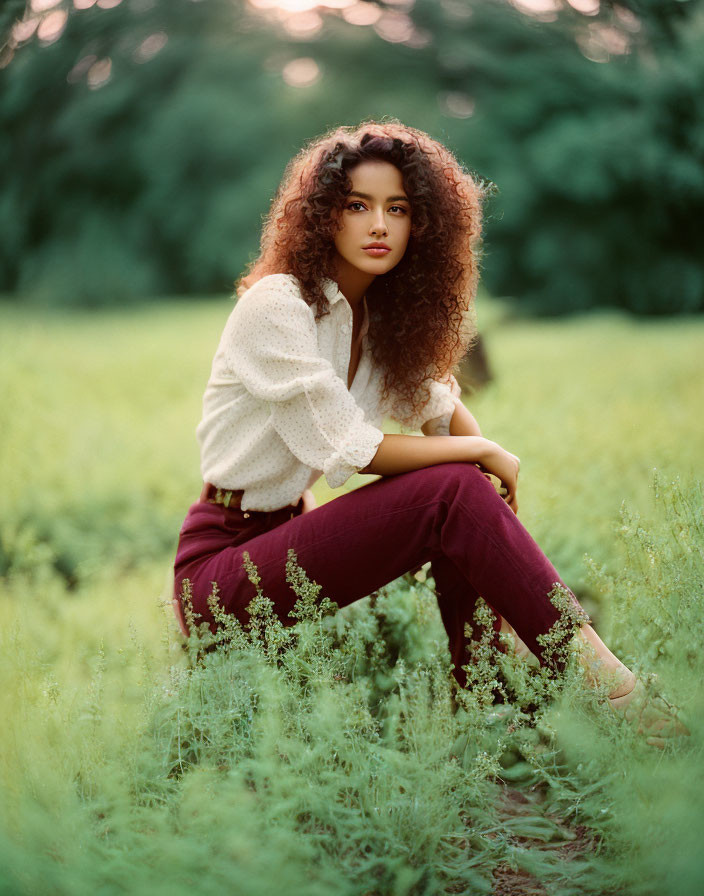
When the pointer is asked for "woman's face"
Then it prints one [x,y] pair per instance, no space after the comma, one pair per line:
[376,210]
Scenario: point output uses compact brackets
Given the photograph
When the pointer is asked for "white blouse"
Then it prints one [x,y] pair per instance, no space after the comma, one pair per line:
[277,413]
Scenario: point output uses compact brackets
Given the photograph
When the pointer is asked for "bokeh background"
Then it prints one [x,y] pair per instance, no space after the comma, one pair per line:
[141,142]
[142,139]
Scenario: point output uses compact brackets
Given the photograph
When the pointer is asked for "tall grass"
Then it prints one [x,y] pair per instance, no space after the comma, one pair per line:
[305,755]
[325,757]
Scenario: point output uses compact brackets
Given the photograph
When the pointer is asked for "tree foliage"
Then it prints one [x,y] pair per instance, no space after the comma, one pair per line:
[600,164]
[147,140]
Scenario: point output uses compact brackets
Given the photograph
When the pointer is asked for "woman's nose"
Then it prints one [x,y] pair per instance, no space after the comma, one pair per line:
[379,224]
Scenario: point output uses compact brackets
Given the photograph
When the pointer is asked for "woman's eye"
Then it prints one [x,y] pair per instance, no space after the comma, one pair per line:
[399,207]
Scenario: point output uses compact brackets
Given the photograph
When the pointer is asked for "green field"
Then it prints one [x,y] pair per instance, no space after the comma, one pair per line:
[128,765]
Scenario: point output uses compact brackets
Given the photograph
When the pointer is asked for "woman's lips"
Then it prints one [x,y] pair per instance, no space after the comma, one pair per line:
[377,252]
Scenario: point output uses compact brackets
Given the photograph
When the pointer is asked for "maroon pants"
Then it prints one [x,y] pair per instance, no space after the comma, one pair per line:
[448,514]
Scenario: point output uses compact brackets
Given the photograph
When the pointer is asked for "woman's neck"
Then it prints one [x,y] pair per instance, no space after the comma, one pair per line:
[353,284]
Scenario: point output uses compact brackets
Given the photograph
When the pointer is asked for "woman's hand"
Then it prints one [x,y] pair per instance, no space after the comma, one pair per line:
[505,467]
[309,502]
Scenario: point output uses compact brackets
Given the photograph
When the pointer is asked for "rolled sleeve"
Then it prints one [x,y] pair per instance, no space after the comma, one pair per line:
[437,411]
[273,351]
[338,446]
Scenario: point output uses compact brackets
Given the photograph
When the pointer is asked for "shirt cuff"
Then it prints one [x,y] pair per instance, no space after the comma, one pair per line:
[438,411]
[439,426]
[352,457]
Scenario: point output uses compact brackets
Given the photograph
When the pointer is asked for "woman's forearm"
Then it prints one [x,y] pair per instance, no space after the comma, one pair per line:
[399,453]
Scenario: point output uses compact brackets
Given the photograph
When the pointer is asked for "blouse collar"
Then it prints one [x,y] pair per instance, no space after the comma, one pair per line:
[334,294]
[332,290]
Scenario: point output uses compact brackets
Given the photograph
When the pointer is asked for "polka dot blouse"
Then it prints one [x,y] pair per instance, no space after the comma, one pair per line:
[277,413]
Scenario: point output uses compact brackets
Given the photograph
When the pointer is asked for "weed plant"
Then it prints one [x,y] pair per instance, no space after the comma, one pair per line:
[322,753]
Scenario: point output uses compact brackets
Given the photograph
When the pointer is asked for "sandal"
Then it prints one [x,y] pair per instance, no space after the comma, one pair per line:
[655,715]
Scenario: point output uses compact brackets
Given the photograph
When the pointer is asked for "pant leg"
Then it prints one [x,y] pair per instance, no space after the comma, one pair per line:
[457,601]
[365,539]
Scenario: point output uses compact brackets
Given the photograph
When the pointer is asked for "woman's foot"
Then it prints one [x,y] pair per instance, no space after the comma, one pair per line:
[624,689]
[655,716]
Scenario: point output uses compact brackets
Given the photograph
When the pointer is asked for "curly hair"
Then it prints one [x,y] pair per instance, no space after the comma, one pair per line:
[421,321]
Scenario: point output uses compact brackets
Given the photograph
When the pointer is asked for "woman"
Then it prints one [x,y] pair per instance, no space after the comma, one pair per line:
[358,307]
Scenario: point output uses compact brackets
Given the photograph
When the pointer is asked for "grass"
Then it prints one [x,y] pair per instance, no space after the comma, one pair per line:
[129,764]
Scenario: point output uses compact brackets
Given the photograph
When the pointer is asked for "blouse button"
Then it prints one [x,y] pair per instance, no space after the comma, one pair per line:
[246,515]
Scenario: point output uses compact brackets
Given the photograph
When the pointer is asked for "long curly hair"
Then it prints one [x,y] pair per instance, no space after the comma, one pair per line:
[421,321]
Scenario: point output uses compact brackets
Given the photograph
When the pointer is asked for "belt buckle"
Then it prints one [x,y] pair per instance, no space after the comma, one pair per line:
[223,497]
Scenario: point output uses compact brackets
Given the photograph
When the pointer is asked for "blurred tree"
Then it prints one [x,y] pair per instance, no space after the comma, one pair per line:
[589,126]
[147,138]
[124,138]
[10,12]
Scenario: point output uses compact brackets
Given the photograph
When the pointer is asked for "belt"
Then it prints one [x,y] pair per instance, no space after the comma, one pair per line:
[232,499]
[214,495]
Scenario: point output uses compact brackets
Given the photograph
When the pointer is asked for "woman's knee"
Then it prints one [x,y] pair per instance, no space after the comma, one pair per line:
[466,482]
[463,475]
[438,484]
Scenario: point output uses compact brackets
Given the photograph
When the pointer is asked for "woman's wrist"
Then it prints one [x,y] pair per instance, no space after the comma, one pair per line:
[479,448]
